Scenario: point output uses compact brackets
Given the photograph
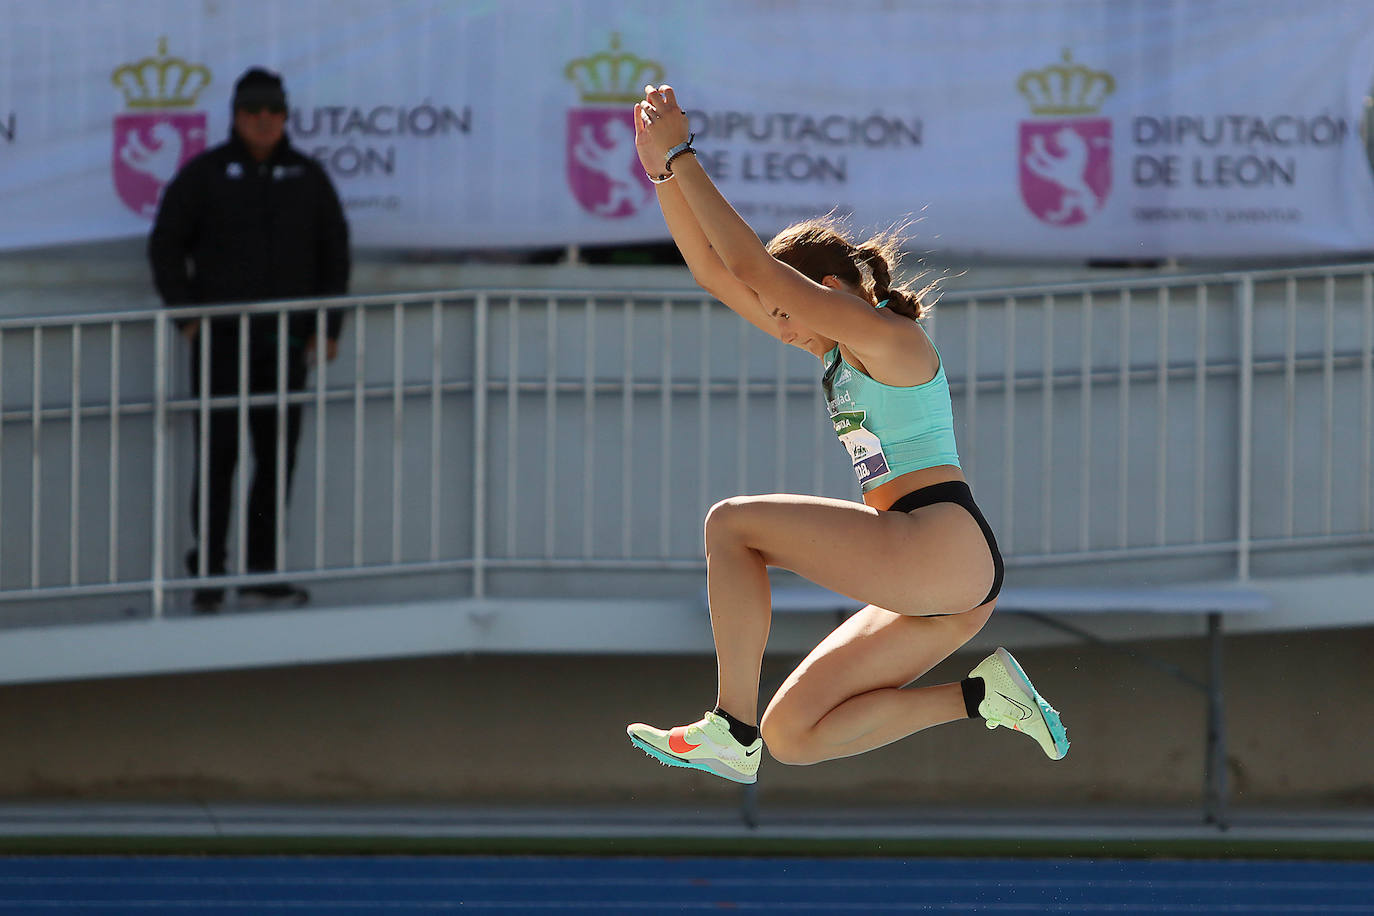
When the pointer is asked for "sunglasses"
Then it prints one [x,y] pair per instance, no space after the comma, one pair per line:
[275,108]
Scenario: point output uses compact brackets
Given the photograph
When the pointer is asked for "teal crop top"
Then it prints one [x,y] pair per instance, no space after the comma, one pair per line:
[889,430]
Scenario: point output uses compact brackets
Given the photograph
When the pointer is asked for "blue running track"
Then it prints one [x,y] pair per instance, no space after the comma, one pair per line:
[540,884]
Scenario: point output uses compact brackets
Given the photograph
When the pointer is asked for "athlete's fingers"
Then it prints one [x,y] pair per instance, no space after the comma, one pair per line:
[662,99]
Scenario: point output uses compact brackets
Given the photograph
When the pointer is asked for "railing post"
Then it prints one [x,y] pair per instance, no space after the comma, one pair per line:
[36,463]
[279,471]
[1244,458]
[159,460]
[479,447]
[398,345]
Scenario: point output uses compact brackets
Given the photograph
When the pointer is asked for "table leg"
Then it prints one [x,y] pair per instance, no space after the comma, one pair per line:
[1214,773]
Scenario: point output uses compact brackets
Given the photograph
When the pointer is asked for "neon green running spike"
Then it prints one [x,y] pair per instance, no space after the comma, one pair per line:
[705,745]
[1010,701]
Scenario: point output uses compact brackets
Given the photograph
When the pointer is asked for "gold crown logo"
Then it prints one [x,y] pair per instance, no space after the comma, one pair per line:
[161,82]
[613,76]
[1065,89]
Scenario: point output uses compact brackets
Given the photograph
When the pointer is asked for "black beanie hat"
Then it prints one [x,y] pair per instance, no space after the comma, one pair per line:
[259,88]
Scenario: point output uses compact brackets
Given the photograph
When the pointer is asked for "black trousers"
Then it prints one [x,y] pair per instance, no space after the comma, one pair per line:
[223,450]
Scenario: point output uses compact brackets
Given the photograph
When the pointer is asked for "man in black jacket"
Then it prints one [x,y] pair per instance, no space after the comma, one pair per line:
[250,219]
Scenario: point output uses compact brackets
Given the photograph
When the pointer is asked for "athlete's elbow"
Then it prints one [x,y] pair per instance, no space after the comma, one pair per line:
[708,280]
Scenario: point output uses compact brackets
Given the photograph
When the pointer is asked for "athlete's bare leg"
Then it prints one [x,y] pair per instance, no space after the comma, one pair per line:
[934,560]
[848,695]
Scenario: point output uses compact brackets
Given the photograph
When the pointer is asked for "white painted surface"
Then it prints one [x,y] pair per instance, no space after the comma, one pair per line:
[626,626]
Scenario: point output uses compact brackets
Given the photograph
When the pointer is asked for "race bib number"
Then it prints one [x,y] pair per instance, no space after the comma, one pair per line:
[865,450]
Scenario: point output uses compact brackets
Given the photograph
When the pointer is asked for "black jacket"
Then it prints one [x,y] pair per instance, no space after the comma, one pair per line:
[231,229]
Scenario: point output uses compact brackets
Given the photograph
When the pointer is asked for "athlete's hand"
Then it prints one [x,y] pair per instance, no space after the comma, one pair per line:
[660,125]
[647,161]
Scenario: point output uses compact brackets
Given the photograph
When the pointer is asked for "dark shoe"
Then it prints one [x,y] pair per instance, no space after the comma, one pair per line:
[207,600]
[284,592]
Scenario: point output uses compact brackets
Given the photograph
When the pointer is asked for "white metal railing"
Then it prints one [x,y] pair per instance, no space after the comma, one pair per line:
[479,432]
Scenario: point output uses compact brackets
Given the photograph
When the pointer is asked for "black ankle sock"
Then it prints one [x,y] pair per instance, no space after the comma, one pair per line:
[974,690]
[744,734]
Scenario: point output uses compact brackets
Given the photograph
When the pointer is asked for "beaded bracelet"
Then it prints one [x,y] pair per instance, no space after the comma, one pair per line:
[683,147]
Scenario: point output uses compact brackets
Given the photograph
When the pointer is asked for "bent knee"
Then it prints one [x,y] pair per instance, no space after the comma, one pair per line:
[789,742]
[725,520]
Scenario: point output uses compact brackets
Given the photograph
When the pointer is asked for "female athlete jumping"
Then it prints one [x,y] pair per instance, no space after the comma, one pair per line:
[917,551]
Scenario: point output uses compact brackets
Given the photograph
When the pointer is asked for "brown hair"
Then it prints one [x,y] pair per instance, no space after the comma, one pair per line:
[821,247]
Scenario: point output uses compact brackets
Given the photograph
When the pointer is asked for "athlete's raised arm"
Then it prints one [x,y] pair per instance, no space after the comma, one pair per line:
[837,315]
[707,269]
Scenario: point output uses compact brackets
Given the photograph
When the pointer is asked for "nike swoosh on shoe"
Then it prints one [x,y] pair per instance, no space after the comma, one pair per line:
[1026,711]
[677,741]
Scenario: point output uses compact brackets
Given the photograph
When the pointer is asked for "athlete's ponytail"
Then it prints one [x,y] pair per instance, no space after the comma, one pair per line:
[820,247]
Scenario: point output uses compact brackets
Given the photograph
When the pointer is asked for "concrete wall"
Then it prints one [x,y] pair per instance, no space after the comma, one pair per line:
[551,729]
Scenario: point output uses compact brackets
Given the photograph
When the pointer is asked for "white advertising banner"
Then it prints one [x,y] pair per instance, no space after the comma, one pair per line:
[1020,128]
